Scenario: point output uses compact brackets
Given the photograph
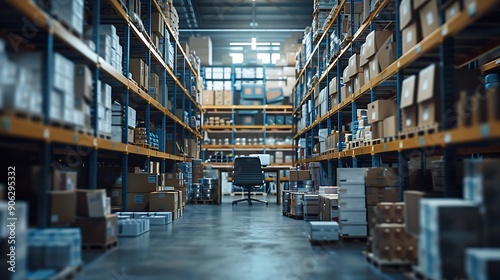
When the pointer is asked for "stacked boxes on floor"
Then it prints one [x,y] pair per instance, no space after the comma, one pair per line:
[97,225]
[324,231]
[391,242]
[381,186]
[116,122]
[51,250]
[63,197]
[20,257]
[311,207]
[352,201]
[328,207]
[483,263]
[139,187]
[299,179]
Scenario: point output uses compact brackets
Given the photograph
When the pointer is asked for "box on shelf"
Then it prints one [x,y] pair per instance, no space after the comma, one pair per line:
[452,9]
[411,36]
[406,14]
[390,127]
[98,231]
[142,182]
[91,203]
[386,54]
[138,201]
[375,40]
[164,201]
[377,130]
[300,175]
[428,105]
[408,103]
[64,180]
[429,20]
[157,23]
[353,65]
[374,67]
[380,109]
[137,70]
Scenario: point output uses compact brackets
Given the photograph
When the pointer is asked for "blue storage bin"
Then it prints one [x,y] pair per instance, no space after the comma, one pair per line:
[280,120]
[492,78]
[270,120]
[288,120]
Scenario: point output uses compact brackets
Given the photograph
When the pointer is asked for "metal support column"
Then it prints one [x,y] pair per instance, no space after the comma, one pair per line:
[125,104]
[402,171]
[93,158]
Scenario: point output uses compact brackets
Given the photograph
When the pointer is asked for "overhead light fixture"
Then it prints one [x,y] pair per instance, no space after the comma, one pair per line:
[254,43]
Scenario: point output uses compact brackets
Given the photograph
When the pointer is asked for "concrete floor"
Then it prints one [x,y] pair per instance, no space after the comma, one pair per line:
[226,242]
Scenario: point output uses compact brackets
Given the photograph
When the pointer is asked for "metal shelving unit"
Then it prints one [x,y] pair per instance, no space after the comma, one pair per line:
[54,36]
[457,42]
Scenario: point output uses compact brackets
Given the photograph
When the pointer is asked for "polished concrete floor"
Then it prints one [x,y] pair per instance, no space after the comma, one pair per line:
[230,242]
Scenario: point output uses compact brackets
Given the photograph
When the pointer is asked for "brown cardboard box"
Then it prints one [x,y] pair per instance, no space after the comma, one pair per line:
[382,177]
[363,60]
[146,76]
[273,93]
[398,213]
[374,41]
[63,207]
[142,182]
[183,195]
[428,106]
[64,180]
[157,23]
[377,130]
[328,207]
[384,212]
[452,9]
[334,99]
[137,70]
[138,201]
[208,97]
[409,117]
[130,135]
[343,93]
[98,231]
[418,3]
[164,201]
[429,20]
[345,75]
[300,175]
[115,195]
[333,86]
[405,13]
[366,73]
[228,97]
[91,203]
[411,36]
[374,67]
[359,81]
[412,210]
[381,109]
[386,55]
[376,195]
[353,65]
[390,127]
[408,92]
[83,83]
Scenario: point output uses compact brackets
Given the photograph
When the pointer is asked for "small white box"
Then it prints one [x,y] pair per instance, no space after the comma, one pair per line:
[481,263]
[351,175]
[352,202]
[156,220]
[351,190]
[352,216]
[322,230]
[353,229]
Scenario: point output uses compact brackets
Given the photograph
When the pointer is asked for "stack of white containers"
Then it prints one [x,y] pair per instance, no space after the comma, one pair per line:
[104,108]
[116,123]
[17,258]
[352,202]
[70,13]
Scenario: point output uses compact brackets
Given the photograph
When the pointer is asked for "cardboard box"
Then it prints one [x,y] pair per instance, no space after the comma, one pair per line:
[64,180]
[157,23]
[374,67]
[142,182]
[228,97]
[359,81]
[115,195]
[409,117]
[333,86]
[137,70]
[412,210]
[98,231]
[377,130]
[405,13]
[63,207]
[452,9]
[363,59]
[408,92]
[345,75]
[138,201]
[366,73]
[300,175]
[83,84]
[418,3]
[382,177]
[386,55]
[343,93]
[374,41]
[411,36]
[328,207]
[428,106]
[390,127]
[381,109]
[375,195]
[91,203]
[353,65]
[429,19]
[208,97]
[164,201]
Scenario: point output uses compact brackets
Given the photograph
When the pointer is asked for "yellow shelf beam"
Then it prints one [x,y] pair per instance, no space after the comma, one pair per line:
[490,65]
[450,28]
[248,107]
[463,135]
[259,127]
[246,147]
[13,126]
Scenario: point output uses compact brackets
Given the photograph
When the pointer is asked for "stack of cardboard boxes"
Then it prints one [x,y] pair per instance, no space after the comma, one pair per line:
[328,207]
[377,53]
[217,97]
[381,116]
[116,122]
[203,48]
[97,225]
[62,197]
[381,186]
[418,19]
[16,254]
[157,29]
[140,72]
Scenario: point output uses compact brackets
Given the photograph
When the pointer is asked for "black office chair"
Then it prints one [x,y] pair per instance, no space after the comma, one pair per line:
[248,175]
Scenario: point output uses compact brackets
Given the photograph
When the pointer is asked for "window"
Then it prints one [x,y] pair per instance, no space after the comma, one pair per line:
[237,57]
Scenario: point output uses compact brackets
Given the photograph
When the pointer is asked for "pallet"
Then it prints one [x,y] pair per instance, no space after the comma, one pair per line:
[68,273]
[354,239]
[100,247]
[155,148]
[61,124]
[408,133]
[142,145]
[323,242]
[104,136]
[374,142]
[84,130]
[20,114]
[387,265]
[389,139]
[428,129]
[356,144]
[203,201]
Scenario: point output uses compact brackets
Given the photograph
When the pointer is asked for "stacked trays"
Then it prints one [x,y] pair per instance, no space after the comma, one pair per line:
[352,202]
[311,207]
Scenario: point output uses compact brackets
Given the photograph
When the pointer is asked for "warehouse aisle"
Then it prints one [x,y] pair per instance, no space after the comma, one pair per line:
[225,242]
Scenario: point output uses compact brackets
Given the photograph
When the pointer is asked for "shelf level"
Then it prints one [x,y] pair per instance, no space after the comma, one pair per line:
[246,147]
[250,127]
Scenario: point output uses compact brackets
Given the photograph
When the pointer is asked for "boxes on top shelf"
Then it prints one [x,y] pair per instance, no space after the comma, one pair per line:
[428,105]
[406,14]
[157,24]
[375,40]
[429,20]
[452,9]
[411,35]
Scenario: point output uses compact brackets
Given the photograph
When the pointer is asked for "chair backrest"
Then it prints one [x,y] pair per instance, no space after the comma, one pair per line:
[247,172]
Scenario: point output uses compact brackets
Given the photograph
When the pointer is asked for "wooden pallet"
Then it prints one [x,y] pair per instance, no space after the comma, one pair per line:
[203,201]
[408,133]
[84,130]
[389,139]
[142,145]
[374,141]
[21,114]
[155,148]
[428,129]
[353,239]
[104,136]
[387,265]
[356,144]
[100,247]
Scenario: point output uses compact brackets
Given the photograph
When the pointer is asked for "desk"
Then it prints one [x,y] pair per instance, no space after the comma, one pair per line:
[228,167]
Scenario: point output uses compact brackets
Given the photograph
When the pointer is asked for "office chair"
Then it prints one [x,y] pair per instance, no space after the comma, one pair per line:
[248,175]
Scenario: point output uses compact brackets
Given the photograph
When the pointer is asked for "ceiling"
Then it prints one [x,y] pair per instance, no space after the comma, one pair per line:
[227,21]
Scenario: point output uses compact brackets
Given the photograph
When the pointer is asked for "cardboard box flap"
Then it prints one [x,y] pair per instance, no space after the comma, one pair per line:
[363,59]
[405,13]
[426,83]
[333,86]
[346,75]
[408,92]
